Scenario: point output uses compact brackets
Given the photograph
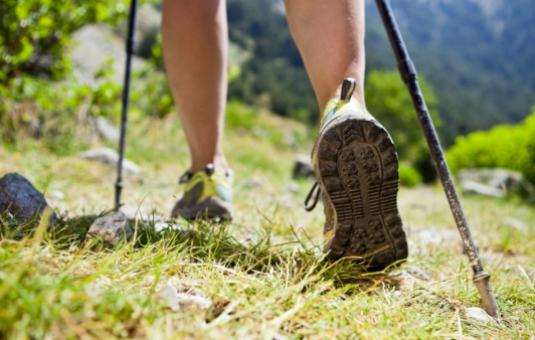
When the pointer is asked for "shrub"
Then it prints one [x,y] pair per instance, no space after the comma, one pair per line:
[506,146]
[34,33]
[389,101]
[56,112]
[409,176]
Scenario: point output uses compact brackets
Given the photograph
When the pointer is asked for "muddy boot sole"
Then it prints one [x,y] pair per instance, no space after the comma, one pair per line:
[357,169]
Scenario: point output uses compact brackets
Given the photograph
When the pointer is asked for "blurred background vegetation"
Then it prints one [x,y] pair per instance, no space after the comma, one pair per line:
[474,57]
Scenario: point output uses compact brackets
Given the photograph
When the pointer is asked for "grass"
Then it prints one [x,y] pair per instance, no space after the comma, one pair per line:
[263,275]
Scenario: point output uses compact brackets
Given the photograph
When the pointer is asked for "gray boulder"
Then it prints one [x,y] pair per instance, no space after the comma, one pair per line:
[112,229]
[92,47]
[20,200]
[302,167]
[110,157]
[494,182]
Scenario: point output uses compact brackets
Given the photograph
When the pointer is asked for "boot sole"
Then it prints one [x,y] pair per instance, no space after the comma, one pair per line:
[357,170]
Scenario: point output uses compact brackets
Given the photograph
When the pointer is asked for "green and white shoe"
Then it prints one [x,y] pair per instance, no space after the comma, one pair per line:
[207,194]
[356,168]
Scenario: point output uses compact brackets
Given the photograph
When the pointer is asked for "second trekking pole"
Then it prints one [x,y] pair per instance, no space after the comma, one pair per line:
[409,75]
[125,101]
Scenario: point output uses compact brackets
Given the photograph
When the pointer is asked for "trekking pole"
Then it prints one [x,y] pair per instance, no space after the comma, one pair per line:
[125,101]
[409,75]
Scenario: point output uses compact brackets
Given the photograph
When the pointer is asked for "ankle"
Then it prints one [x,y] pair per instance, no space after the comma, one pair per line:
[219,162]
[354,98]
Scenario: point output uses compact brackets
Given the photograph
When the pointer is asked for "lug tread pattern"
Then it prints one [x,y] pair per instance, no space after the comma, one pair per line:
[358,171]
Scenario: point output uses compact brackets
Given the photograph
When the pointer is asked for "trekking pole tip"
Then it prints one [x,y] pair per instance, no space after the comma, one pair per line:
[488,301]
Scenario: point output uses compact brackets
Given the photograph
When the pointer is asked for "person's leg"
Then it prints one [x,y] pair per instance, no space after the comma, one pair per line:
[195,43]
[354,158]
[330,37]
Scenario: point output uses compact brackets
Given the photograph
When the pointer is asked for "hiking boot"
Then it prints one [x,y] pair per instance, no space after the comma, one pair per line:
[207,194]
[356,168]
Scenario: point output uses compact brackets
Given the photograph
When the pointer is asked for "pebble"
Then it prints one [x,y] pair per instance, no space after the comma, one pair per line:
[112,229]
[478,314]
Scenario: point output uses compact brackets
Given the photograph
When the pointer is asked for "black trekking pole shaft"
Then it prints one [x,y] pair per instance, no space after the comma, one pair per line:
[125,101]
[409,75]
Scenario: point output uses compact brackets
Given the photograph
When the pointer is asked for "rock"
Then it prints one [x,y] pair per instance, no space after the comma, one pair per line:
[418,273]
[92,47]
[478,314]
[494,182]
[513,223]
[177,296]
[106,129]
[112,229]
[293,187]
[110,157]
[470,187]
[56,194]
[436,236]
[290,139]
[302,167]
[253,183]
[20,199]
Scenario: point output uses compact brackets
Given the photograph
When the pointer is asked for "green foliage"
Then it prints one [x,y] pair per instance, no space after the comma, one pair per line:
[273,76]
[507,146]
[409,176]
[150,93]
[281,133]
[53,112]
[389,101]
[35,33]
[481,73]
[57,112]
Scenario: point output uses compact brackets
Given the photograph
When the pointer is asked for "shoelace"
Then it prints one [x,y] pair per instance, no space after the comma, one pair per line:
[314,195]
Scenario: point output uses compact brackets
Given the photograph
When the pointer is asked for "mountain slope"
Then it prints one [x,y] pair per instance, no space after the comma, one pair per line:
[476,54]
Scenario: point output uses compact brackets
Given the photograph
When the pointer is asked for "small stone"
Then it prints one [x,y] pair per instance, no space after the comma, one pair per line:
[293,188]
[178,297]
[302,167]
[106,130]
[478,314]
[253,183]
[161,227]
[112,229]
[418,273]
[516,224]
[21,200]
[110,157]
[471,187]
[436,236]
[56,194]
[494,182]
[290,140]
